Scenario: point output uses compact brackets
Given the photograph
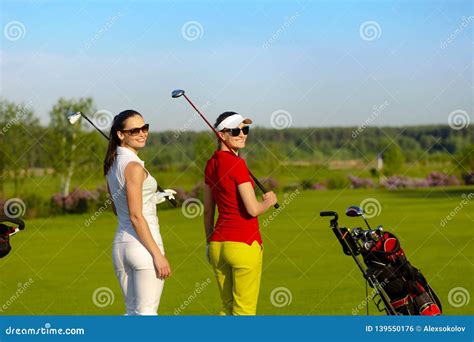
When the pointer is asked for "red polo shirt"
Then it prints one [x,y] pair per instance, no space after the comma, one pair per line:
[224,172]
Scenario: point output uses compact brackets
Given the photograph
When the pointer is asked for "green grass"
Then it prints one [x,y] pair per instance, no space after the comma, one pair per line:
[68,261]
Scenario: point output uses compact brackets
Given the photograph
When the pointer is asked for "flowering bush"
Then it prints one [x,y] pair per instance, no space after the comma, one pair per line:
[397,182]
[433,179]
[269,183]
[357,183]
[318,186]
[441,179]
[78,201]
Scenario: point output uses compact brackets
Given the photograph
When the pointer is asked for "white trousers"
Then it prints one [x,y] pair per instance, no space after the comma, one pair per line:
[136,274]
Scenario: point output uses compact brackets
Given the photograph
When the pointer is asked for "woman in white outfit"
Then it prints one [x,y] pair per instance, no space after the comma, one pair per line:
[138,253]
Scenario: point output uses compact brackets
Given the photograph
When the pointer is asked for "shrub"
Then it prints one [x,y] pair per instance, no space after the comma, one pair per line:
[306,184]
[291,187]
[338,182]
[469,179]
[269,183]
[397,182]
[358,183]
[79,201]
[318,186]
[197,191]
[441,179]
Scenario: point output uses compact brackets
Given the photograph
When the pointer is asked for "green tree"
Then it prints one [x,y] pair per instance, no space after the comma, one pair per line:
[19,131]
[393,160]
[68,146]
[465,160]
[204,148]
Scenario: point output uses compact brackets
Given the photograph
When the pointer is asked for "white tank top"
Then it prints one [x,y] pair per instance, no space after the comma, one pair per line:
[116,180]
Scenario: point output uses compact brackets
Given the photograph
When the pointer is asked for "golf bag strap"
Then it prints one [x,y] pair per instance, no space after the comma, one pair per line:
[398,303]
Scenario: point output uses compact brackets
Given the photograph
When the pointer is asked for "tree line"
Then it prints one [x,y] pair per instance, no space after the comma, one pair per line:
[66,150]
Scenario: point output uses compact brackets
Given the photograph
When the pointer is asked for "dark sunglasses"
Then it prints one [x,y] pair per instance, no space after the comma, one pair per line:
[136,131]
[235,132]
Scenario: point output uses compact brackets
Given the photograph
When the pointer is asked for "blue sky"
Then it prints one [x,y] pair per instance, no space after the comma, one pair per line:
[311,60]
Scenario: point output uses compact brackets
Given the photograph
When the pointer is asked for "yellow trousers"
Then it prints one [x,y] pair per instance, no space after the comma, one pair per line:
[238,269]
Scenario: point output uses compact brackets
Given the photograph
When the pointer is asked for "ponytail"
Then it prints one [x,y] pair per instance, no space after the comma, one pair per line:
[114,141]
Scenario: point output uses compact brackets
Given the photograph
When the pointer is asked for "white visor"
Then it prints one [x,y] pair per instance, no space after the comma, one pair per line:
[233,121]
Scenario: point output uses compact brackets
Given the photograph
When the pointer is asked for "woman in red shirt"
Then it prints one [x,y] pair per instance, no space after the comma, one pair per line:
[234,243]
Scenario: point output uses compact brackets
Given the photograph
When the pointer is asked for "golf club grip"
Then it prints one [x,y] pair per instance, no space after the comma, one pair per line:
[19,222]
[276,206]
[171,200]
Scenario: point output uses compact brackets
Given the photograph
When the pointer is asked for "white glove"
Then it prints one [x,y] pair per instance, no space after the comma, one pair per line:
[162,196]
[208,255]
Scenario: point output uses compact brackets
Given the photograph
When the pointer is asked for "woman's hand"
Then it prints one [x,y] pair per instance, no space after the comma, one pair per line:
[269,198]
[162,267]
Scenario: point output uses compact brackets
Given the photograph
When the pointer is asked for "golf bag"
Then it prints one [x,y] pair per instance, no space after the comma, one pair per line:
[7,231]
[400,288]
[404,284]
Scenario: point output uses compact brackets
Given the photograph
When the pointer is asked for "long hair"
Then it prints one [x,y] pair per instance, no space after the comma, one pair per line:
[117,125]
[219,119]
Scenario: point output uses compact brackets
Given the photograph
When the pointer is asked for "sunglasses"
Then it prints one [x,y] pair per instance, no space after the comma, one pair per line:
[136,131]
[235,132]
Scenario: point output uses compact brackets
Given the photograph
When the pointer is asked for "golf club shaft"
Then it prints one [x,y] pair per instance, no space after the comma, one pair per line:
[373,283]
[225,143]
[158,187]
[97,128]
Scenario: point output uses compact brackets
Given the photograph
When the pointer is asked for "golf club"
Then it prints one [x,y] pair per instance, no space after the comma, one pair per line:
[73,117]
[355,211]
[350,247]
[178,93]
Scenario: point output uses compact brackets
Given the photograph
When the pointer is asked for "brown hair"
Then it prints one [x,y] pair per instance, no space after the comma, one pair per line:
[114,141]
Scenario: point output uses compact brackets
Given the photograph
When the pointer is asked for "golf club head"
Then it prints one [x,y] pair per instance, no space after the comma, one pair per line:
[354,211]
[73,117]
[177,93]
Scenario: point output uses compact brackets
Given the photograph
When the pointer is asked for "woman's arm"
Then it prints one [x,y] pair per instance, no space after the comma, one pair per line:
[209,211]
[134,177]
[254,207]
[111,199]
